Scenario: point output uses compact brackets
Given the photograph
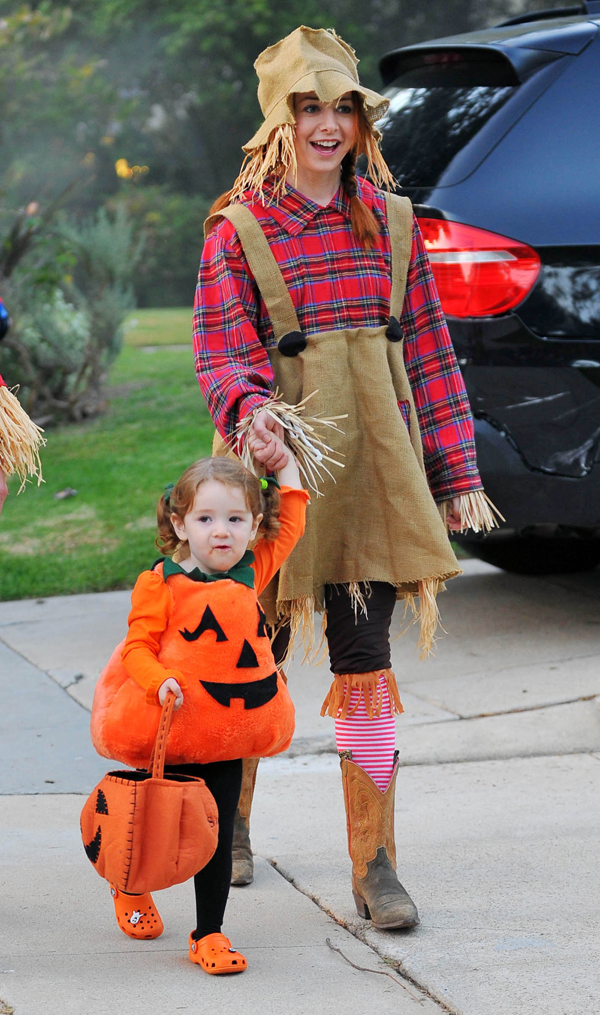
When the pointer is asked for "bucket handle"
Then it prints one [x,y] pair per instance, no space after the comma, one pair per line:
[156,765]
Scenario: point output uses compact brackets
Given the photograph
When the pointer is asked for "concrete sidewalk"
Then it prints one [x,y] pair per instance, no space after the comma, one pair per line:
[497,826]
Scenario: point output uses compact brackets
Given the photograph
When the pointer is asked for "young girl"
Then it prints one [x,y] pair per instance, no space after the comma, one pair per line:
[196,629]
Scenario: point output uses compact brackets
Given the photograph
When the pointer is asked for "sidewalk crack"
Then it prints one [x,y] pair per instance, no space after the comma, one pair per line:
[46,673]
[398,966]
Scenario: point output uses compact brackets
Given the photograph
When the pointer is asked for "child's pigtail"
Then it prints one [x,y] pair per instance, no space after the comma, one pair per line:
[269,506]
[167,540]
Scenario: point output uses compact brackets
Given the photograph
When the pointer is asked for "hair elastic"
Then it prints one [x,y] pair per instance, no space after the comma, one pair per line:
[168,491]
[266,481]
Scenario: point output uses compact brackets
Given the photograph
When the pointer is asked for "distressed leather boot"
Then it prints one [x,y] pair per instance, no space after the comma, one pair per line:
[378,894]
[243,863]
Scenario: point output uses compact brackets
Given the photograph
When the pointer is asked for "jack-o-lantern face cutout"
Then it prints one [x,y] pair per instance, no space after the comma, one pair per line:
[92,848]
[208,623]
[253,693]
[262,623]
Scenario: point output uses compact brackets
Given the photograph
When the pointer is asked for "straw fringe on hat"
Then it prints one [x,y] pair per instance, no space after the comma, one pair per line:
[308,60]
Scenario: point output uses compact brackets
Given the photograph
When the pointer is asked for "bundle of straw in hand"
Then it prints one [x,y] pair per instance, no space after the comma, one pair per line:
[301,436]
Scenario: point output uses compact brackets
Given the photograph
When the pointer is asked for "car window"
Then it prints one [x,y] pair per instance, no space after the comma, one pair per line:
[540,183]
[436,107]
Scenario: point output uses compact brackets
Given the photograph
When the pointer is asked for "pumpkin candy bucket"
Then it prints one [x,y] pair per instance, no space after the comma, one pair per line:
[144,831]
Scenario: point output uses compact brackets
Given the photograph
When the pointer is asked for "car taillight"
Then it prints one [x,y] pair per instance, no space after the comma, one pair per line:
[478,274]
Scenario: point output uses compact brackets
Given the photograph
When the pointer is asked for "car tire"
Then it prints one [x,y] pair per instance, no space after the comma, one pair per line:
[535,555]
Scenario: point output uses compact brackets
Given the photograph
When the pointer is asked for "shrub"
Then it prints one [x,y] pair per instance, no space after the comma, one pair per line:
[64,338]
[171,226]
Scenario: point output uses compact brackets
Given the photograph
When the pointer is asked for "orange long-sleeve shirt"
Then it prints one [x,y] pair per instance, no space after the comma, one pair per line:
[154,597]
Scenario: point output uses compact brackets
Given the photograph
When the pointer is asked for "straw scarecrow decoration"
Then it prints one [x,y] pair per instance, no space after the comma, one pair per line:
[20,439]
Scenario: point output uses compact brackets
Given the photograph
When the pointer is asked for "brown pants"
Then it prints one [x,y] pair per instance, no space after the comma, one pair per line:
[357,643]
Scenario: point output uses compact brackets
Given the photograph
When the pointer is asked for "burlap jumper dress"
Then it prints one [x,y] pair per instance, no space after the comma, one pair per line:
[377,520]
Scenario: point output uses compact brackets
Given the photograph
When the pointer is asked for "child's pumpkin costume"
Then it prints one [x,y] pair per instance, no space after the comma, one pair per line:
[210,634]
[290,302]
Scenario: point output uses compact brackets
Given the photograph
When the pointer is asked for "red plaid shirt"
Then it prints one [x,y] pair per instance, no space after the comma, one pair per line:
[334,284]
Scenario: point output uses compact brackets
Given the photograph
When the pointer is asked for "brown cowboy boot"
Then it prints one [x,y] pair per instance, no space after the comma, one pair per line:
[243,863]
[378,894]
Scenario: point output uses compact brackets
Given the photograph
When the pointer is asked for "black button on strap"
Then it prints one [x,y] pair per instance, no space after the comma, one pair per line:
[292,343]
[394,330]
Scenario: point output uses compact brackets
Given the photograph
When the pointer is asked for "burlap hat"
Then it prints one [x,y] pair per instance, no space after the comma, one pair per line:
[308,60]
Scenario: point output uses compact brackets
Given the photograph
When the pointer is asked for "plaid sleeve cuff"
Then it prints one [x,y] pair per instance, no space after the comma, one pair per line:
[455,487]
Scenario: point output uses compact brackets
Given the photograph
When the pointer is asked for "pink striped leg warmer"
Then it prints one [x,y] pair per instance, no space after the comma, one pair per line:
[372,741]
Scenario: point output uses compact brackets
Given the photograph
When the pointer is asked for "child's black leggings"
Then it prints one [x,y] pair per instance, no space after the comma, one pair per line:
[224,780]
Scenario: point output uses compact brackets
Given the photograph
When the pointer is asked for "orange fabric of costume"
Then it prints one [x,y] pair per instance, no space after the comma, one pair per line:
[212,638]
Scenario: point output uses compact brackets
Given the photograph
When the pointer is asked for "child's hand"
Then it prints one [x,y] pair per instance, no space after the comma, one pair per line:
[171,685]
[270,452]
[290,474]
[265,440]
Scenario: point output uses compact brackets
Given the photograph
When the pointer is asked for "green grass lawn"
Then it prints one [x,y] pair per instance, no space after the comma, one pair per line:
[155,425]
[159,326]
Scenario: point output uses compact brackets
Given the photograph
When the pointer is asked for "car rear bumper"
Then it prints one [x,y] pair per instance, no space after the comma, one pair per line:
[536,405]
[529,497]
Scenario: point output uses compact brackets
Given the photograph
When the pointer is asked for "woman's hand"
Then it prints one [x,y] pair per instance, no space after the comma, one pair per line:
[171,685]
[3,489]
[266,442]
[453,521]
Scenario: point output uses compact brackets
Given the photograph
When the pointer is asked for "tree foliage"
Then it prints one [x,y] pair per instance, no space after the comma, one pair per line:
[131,96]
[170,86]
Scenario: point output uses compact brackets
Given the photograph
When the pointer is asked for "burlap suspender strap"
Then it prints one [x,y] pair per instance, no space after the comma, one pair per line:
[400,223]
[263,266]
[268,276]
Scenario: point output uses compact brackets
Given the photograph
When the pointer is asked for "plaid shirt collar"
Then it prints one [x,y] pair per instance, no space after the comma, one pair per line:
[294,211]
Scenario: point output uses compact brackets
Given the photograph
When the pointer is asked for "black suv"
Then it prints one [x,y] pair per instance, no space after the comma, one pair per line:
[495,137]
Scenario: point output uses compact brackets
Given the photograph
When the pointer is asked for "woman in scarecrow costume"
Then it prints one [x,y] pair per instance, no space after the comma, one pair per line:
[314,282]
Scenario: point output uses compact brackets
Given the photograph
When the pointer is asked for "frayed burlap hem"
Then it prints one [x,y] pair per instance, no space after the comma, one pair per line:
[426,613]
[20,440]
[299,614]
[338,700]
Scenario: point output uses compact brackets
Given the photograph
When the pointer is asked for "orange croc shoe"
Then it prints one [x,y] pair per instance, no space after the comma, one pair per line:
[216,956]
[137,915]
